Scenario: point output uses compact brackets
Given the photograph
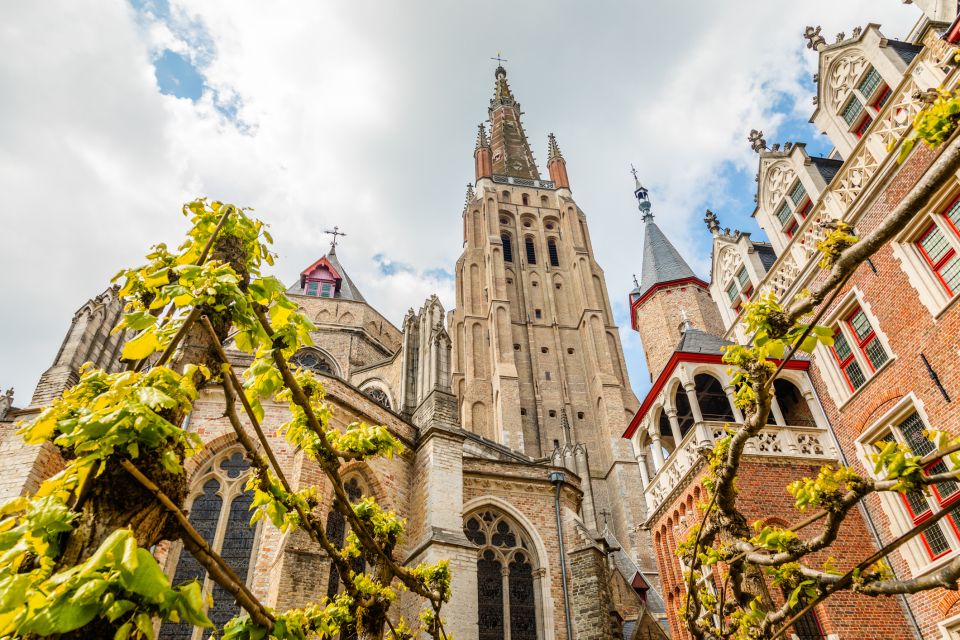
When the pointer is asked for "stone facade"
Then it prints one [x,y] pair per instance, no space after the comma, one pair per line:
[513,417]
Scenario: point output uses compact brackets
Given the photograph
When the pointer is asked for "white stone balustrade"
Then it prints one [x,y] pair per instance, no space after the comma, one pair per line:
[806,443]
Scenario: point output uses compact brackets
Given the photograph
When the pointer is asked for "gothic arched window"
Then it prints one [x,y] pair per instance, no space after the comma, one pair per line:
[531,252]
[378,396]
[507,247]
[313,360]
[505,565]
[552,250]
[220,512]
[337,534]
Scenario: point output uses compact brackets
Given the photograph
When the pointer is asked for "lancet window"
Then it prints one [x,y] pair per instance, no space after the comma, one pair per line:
[220,512]
[506,584]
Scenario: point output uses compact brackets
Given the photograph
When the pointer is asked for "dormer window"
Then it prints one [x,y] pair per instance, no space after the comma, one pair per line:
[739,289]
[794,209]
[865,102]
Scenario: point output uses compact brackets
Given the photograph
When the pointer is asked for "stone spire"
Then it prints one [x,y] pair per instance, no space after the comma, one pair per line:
[556,165]
[508,143]
[482,156]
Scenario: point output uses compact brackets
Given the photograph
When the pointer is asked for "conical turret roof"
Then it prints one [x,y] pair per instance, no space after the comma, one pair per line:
[662,262]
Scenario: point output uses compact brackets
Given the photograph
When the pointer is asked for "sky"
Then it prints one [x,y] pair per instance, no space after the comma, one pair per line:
[363,114]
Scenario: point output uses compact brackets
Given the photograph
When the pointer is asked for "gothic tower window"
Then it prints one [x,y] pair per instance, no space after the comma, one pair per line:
[220,512]
[531,251]
[506,584]
[507,247]
[552,250]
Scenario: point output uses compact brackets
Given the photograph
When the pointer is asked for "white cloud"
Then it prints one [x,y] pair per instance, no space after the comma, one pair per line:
[363,115]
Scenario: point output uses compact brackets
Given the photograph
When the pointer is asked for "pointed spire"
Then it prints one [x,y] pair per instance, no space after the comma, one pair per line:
[662,263]
[469,197]
[482,141]
[556,165]
[511,155]
[553,150]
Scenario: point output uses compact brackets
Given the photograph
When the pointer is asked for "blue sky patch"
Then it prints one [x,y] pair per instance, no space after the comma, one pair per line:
[176,76]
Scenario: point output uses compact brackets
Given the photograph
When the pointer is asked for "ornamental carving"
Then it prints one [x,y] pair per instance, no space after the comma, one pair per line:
[777,180]
[729,263]
[843,76]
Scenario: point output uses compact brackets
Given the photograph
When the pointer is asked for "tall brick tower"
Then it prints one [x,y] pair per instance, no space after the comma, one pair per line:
[538,365]
[669,296]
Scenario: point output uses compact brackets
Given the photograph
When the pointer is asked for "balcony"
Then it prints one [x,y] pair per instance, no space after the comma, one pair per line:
[809,443]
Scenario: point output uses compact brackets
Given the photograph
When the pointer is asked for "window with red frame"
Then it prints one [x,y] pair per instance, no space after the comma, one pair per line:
[857,348]
[863,126]
[739,288]
[791,229]
[937,540]
[938,246]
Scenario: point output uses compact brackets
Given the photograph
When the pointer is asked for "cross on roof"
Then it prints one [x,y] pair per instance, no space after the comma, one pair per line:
[605,515]
[336,232]
[500,60]
[633,170]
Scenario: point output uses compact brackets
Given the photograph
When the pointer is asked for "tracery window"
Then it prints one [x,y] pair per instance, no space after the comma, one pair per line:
[220,512]
[313,360]
[378,396]
[337,534]
[506,592]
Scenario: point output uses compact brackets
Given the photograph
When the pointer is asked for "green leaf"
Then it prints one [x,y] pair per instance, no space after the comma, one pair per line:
[148,580]
[123,632]
[141,346]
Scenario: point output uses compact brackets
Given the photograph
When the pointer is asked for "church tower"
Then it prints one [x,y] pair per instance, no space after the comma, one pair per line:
[537,365]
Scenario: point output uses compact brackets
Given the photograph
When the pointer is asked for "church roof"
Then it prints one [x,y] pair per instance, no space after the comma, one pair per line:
[768,257]
[662,262]
[346,290]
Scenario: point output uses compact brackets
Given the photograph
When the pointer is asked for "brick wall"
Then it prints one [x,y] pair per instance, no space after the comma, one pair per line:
[763,495]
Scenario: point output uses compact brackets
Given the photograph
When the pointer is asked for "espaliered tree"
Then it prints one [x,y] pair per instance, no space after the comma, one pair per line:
[75,558]
[754,560]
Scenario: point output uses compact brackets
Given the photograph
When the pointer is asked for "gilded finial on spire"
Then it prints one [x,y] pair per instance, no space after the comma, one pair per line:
[553,150]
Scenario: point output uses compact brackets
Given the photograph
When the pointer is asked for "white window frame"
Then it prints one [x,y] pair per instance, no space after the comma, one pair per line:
[837,386]
[915,552]
[796,217]
[867,102]
[930,289]
[950,628]
[741,298]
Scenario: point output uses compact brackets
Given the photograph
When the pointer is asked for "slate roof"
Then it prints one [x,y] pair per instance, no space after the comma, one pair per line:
[766,254]
[828,167]
[697,341]
[348,290]
[905,50]
[661,260]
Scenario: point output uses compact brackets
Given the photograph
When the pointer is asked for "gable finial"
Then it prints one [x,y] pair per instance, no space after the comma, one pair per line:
[815,41]
[713,223]
[757,141]
[635,283]
[335,232]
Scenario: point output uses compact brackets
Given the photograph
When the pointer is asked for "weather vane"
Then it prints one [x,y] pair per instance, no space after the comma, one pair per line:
[336,232]
[500,60]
